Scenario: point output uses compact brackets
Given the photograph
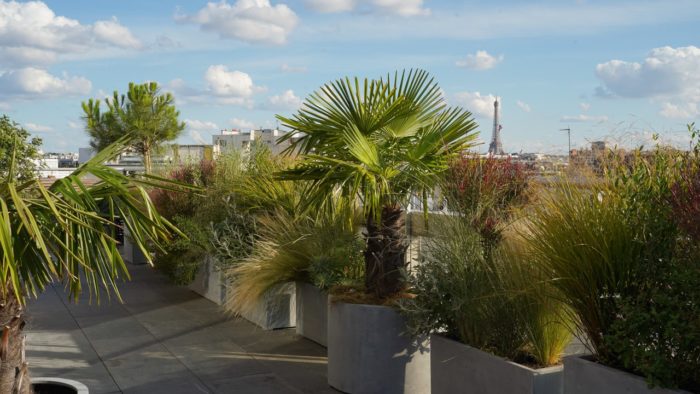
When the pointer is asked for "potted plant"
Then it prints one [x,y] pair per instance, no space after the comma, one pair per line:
[65,233]
[493,329]
[622,254]
[377,142]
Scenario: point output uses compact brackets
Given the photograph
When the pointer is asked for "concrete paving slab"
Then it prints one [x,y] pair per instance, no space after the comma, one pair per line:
[166,339]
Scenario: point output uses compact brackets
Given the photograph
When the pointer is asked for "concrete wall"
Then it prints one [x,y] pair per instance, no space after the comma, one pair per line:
[277,309]
[582,376]
[458,368]
[367,352]
[312,313]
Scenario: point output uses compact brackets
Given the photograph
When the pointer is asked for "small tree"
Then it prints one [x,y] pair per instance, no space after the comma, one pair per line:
[66,233]
[12,137]
[146,114]
[379,142]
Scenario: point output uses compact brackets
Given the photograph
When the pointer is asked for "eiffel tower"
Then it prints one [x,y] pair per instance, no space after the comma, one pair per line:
[495,147]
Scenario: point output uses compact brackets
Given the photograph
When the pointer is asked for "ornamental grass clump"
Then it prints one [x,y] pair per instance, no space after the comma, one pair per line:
[622,256]
[474,283]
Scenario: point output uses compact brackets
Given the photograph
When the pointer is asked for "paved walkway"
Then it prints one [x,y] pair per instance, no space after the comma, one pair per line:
[166,339]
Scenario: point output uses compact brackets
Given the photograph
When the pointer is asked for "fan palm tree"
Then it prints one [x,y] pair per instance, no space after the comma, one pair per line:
[66,233]
[378,141]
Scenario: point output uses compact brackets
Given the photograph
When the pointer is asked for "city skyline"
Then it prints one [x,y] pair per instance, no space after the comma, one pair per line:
[622,70]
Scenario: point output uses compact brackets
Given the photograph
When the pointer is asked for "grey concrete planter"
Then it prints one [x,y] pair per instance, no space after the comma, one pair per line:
[459,368]
[130,252]
[312,313]
[209,282]
[583,376]
[368,353]
[277,309]
[41,385]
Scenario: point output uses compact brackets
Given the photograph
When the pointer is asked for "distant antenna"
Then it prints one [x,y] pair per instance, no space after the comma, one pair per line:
[495,147]
[568,131]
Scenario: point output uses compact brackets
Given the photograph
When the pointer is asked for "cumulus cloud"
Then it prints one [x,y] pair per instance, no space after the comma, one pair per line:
[30,83]
[37,128]
[196,128]
[395,7]
[32,34]
[223,82]
[665,72]
[582,118]
[680,111]
[253,21]
[241,123]
[476,103]
[584,107]
[524,106]
[481,60]
[223,86]
[285,101]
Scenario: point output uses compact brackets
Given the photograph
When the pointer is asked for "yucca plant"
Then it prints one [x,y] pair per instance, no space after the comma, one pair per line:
[66,233]
[378,141]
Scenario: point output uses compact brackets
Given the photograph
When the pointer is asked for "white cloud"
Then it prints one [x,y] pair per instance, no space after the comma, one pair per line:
[293,69]
[223,86]
[584,118]
[330,6]
[111,32]
[665,72]
[524,106]
[222,82]
[679,111]
[241,123]
[194,124]
[196,128]
[395,7]
[253,21]
[481,60]
[476,103]
[32,34]
[37,128]
[286,101]
[667,75]
[32,83]
[584,107]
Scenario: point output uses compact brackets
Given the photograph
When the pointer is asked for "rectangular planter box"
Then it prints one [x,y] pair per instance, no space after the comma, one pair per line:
[130,252]
[276,310]
[369,352]
[312,313]
[583,376]
[209,282]
[459,368]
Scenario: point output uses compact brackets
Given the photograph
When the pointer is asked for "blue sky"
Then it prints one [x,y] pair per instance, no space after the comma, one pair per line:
[618,70]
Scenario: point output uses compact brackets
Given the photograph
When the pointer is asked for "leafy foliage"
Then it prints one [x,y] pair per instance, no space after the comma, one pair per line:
[67,232]
[485,190]
[143,112]
[377,141]
[623,259]
[15,139]
[495,302]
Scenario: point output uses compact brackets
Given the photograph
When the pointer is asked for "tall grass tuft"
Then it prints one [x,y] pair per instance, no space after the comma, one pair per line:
[582,238]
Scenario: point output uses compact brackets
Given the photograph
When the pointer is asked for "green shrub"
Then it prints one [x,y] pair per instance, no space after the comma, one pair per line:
[493,302]
[622,259]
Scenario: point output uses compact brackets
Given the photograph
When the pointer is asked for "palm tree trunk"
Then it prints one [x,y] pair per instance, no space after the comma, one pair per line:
[14,378]
[385,257]
[147,165]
